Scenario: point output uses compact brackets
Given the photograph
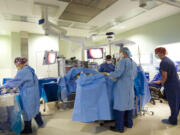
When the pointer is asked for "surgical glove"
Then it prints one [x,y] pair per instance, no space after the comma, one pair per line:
[105,73]
[114,79]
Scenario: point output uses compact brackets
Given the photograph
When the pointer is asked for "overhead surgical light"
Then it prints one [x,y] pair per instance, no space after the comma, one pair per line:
[110,36]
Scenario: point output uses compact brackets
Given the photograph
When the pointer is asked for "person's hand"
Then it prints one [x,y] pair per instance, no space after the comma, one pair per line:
[105,73]
[114,79]
[157,82]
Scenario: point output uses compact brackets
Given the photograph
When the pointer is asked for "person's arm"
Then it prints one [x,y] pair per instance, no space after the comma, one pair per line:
[101,68]
[17,81]
[164,77]
[112,67]
[14,83]
[164,67]
[119,70]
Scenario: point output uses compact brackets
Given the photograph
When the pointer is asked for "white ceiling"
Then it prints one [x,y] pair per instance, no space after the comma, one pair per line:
[18,7]
[155,14]
[119,8]
[56,8]
[31,8]
[8,26]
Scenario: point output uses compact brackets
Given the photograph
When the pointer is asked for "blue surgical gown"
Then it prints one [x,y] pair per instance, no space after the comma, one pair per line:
[105,67]
[139,82]
[68,82]
[142,92]
[93,101]
[125,74]
[171,87]
[26,80]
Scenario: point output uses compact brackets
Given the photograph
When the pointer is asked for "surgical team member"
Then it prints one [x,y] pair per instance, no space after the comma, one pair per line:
[107,66]
[170,80]
[125,74]
[26,80]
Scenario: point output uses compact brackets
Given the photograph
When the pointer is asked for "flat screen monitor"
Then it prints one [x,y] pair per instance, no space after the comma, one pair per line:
[95,53]
[50,57]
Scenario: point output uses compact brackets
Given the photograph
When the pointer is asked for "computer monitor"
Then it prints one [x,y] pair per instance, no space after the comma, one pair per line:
[50,57]
[95,53]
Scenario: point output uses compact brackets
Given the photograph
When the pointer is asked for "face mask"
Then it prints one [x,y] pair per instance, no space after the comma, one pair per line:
[156,56]
[109,62]
[117,55]
[121,56]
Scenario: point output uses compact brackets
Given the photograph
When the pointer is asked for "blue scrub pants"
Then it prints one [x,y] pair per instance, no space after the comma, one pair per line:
[27,124]
[123,118]
[174,104]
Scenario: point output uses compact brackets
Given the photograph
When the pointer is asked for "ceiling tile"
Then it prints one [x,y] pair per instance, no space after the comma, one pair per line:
[84,10]
[74,17]
[64,24]
[82,2]
[101,4]
[55,8]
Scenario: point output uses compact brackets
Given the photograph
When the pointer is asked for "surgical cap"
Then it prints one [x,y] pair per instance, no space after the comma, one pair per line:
[20,60]
[161,50]
[108,57]
[127,51]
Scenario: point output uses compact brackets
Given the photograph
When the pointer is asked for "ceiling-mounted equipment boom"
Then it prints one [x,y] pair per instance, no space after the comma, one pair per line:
[49,27]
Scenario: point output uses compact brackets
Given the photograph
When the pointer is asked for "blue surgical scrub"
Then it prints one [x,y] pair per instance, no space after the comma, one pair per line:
[26,80]
[172,88]
[105,67]
[125,74]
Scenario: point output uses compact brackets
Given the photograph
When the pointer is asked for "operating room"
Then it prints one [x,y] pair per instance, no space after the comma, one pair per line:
[87,67]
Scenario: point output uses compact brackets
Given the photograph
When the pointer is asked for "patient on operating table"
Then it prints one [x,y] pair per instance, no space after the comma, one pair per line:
[155,87]
[155,82]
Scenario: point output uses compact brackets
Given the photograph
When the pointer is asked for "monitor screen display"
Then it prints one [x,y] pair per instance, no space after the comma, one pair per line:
[95,53]
[50,57]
